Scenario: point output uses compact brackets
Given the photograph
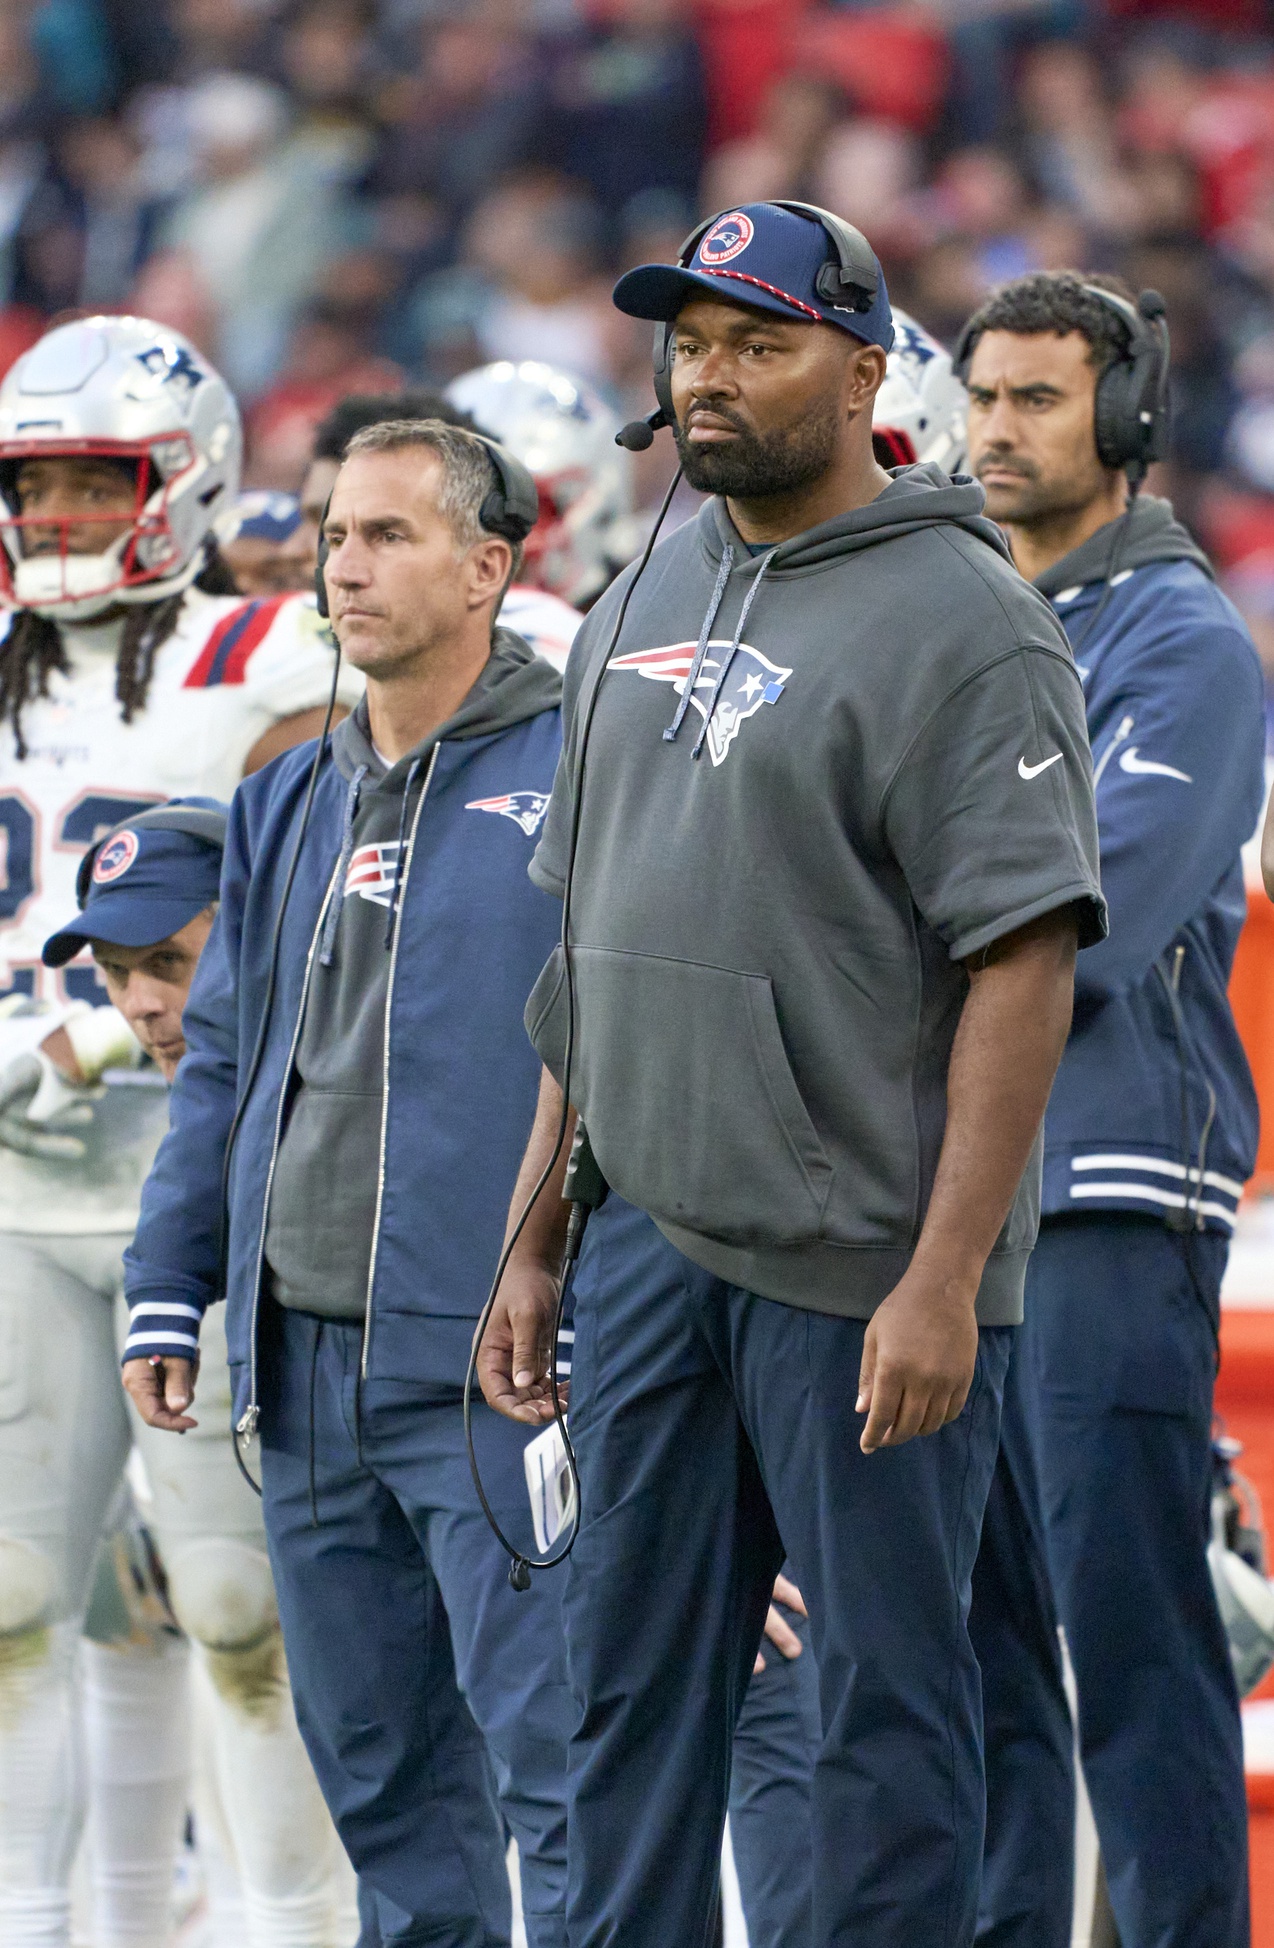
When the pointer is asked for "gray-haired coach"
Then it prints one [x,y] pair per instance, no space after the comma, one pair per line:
[837,847]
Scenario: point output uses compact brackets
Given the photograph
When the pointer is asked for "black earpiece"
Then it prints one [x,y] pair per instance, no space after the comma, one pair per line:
[196,821]
[512,507]
[320,565]
[851,284]
[1130,412]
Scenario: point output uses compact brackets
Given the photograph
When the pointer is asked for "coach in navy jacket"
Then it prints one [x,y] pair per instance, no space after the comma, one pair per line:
[1098,1515]
[379,1136]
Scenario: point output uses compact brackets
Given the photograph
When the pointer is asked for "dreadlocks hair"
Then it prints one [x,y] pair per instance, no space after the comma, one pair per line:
[1056,301]
[33,649]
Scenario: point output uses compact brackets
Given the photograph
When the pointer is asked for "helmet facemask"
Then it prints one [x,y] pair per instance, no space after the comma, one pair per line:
[69,582]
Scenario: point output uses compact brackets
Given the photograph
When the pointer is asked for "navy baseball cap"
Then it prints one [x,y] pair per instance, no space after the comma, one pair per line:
[759,255]
[147,882]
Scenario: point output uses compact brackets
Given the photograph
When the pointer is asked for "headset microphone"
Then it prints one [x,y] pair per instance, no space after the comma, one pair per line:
[639,434]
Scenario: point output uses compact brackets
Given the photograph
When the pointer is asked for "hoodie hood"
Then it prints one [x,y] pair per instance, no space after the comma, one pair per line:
[1147,532]
[916,497]
[514,685]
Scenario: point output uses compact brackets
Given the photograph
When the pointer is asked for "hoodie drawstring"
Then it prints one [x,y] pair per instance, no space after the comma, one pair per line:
[729,656]
[701,647]
[333,920]
[412,774]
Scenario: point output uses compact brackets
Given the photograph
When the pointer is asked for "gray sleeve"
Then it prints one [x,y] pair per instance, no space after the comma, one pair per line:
[990,814]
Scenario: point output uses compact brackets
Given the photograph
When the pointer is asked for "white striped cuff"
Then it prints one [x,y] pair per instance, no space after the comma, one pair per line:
[157,1329]
[1123,1178]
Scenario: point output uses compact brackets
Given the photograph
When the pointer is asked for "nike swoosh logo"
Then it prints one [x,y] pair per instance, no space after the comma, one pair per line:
[1029,771]
[1143,768]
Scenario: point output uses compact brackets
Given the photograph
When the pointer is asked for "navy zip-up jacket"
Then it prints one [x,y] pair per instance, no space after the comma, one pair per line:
[1153,1108]
[471,933]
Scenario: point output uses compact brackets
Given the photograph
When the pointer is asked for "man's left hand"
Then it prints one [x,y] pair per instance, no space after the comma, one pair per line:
[919,1353]
[777,1628]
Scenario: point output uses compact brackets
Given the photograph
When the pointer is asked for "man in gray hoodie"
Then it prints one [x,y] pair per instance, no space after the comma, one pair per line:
[828,864]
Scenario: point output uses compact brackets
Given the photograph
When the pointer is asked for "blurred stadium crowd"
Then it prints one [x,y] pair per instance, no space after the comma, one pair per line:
[335,195]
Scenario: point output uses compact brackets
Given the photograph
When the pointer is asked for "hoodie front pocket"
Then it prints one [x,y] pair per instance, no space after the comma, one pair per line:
[683,1080]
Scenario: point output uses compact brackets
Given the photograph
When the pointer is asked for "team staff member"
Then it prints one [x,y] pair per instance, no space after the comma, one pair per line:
[375,1154]
[149,898]
[1150,1135]
[824,922]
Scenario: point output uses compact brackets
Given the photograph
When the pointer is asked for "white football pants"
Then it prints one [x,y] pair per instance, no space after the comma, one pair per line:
[64,1438]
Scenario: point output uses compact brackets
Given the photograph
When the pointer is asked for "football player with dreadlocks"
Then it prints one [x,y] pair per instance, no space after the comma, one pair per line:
[130,673]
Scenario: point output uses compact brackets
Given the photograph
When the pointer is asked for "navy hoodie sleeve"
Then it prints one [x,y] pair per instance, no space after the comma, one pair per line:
[170,1269]
[1178,763]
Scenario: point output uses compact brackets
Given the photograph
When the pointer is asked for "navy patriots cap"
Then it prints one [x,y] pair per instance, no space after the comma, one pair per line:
[147,883]
[759,255]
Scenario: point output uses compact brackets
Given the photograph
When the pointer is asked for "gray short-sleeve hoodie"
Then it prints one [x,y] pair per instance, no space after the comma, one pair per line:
[770,911]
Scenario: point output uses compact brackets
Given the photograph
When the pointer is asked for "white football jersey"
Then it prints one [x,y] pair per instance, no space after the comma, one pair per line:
[544,621]
[230,670]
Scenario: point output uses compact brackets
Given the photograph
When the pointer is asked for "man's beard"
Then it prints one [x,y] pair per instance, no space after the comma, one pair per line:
[754,465]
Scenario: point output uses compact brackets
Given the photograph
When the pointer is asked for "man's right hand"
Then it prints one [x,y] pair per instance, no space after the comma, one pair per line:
[516,1354]
[161,1391]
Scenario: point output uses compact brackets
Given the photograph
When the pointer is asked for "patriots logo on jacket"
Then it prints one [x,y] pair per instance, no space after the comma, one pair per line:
[752,681]
[372,872]
[525,808]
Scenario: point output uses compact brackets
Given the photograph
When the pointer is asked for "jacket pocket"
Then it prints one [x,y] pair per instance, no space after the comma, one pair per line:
[683,1080]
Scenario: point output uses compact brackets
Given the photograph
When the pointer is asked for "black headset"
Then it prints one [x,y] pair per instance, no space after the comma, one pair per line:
[511,508]
[1130,420]
[851,284]
[196,821]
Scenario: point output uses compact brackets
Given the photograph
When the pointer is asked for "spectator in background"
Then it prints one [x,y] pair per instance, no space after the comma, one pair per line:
[260,224]
[782,154]
[89,224]
[629,110]
[332,351]
[530,286]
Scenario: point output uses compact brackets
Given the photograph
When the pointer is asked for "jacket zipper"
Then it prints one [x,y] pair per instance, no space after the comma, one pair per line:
[401,895]
[247,1424]
[1124,731]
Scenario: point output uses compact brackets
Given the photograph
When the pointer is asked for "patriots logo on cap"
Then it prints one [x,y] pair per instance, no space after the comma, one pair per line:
[752,681]
[525,808]
[373,871]
[729,237]
[114,858]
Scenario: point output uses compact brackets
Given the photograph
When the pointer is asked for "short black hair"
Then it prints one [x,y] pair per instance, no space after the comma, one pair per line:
[359,409]
[1056,301]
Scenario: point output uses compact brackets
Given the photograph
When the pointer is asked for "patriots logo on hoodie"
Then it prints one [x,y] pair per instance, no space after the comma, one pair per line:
[525,808]
[752,680]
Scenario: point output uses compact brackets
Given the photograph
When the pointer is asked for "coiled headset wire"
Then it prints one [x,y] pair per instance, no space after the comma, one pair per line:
[521,1565]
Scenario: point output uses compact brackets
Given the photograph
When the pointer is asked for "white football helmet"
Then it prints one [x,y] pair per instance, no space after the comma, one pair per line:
[562,430]
[118,389]
[920,410]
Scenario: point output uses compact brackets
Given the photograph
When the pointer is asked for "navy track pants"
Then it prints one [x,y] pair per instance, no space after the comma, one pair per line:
[776,1744]
[708,1423]
[420,1676]
[1112,1381]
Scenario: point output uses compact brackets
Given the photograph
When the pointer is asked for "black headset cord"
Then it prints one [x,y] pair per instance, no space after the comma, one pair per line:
[258,1051]
[520,1564]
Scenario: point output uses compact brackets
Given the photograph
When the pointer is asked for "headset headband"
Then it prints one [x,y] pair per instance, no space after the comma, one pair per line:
[196,821]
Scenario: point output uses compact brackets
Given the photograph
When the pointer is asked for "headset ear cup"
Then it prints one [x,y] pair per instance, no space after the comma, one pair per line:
[662,371]
[320,565]
[1113,416]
